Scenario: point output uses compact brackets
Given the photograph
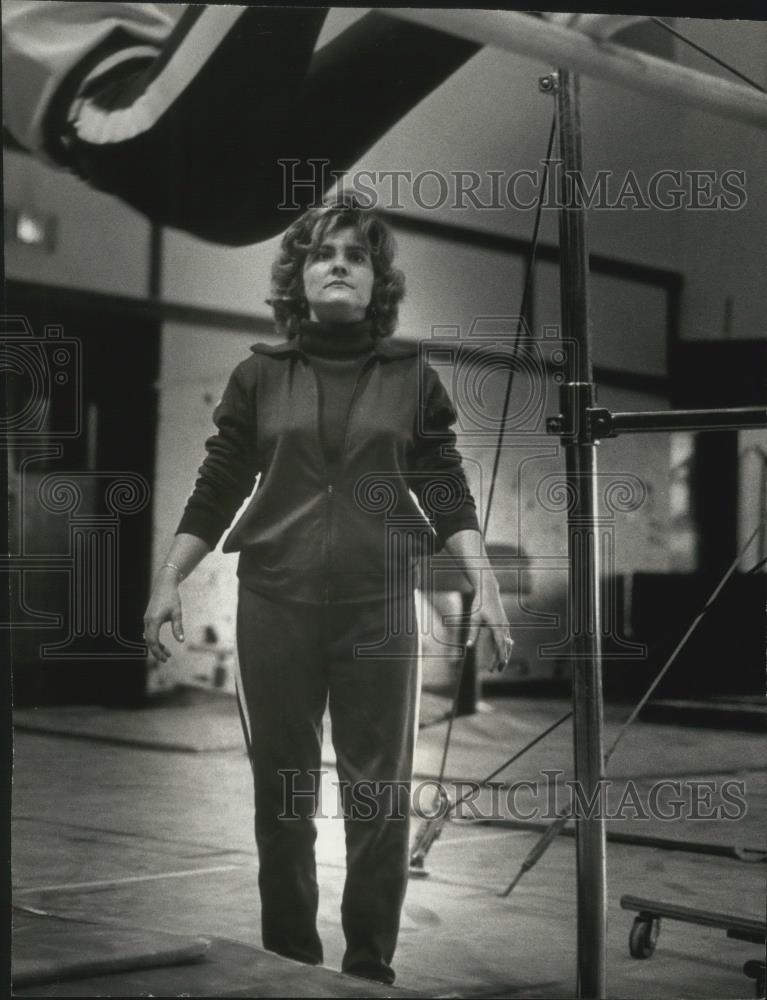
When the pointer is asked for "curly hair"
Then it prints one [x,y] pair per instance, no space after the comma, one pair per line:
[306,234]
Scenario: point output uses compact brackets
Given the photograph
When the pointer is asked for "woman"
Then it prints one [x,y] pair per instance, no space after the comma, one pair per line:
[341,422]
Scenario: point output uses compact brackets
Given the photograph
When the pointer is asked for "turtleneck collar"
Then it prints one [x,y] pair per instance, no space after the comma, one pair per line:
[334,339]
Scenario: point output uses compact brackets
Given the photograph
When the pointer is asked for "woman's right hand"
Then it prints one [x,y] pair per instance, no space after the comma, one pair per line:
[164,606]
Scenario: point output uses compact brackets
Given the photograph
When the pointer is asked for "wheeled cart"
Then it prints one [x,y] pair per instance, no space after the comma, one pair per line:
[646,927]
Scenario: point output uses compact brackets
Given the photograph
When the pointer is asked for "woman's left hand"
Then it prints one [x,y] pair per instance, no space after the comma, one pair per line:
[487,611]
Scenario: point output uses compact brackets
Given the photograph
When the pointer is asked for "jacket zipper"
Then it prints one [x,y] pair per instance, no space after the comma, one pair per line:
[329,487]
[352,401]
[327,541]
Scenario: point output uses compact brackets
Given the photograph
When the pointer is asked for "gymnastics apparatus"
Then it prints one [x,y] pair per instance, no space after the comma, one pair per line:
[581,425]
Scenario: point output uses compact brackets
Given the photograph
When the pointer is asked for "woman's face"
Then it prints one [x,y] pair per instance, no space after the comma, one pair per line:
[338,278]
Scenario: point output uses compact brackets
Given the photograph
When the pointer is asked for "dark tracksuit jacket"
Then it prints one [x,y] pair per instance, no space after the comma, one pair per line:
[331,530]
[319,534]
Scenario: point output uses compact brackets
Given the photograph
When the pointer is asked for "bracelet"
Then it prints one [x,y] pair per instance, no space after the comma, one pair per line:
[173,566]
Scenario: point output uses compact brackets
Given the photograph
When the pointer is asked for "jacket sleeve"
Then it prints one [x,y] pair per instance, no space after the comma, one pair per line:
[438,478]
[228,473]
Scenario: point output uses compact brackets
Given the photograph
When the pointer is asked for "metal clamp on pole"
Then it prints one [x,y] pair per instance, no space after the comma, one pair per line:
[549,84]
[601,423]
[574,424]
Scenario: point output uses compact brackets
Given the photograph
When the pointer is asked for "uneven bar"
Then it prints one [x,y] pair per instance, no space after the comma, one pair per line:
[558,46]
[677,420]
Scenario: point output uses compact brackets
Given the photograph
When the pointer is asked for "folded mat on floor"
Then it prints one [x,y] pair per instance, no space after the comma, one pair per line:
[59,957]
[49,949]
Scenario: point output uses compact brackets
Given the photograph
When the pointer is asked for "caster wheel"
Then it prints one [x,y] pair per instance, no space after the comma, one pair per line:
[644,936]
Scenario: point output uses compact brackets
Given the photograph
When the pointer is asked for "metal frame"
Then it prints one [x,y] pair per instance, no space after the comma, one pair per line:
[529,36]
[581,424]
[584,570]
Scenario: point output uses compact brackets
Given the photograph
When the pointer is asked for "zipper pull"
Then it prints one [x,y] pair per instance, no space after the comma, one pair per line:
[330,489]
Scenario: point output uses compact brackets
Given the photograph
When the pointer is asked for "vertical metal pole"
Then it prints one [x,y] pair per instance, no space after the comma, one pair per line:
[583,545]
[468,687]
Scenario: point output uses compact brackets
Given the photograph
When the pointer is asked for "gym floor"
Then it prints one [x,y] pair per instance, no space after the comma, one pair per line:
[143,819]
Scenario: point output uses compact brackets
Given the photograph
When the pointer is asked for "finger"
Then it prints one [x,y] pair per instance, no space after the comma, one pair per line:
[152,638]
[161,652]
[502,659]
[508,651]
[473,634]
[503,644]
[155,651]
[158,651]
[475,622]
[177,626]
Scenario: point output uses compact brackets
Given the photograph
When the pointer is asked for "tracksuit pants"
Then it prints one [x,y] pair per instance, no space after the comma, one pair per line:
[361,661]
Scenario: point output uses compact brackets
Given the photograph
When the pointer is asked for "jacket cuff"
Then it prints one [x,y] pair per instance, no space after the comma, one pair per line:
[204,526]
[460,520]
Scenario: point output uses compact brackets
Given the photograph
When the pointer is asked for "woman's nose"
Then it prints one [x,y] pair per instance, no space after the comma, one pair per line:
[339,266]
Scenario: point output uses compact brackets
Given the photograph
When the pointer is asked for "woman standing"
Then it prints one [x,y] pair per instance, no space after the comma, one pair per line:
[341,422]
